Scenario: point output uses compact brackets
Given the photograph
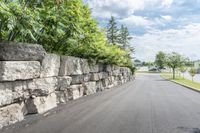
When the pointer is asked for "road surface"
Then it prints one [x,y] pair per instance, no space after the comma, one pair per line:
[148,105]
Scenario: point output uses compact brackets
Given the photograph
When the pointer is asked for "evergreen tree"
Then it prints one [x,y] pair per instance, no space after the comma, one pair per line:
[112,31]
[124,37]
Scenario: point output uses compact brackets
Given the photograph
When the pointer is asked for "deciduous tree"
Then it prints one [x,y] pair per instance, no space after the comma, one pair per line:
[175,60]
[193,72]
[160,60]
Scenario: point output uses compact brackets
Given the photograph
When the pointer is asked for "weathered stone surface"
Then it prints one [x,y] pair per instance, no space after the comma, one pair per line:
[81,91]
[99,86]
[90,88]
[62,96]
[116,72]
[50,66]
[107,83]
[70,66]
[84,65]
[11,92]
[41,104]
[95,76]
[64,83]
[11,114]
[21,52]
[103,75]
[75,92]
[98,76]
[79,79]
[94,68]
[19,70]
[108,68]
[43,86]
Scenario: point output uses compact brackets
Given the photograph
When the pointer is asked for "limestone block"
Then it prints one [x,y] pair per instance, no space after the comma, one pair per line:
[41,104]
[42,86]
[116,72]
[11,92]
[99,86]
[79,79]
[105,82]
[108,68]
[70,66]
[50,66]
[75,91]
[81,91]
[104,75]
[19,70]
[95,76]
[64,83]
[98,76]
[11,114]
[21,52]
[62,96]
[85,66]
[90,88]
[94,68]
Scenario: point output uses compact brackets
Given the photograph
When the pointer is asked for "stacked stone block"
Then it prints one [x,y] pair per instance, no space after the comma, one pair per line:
[32,81]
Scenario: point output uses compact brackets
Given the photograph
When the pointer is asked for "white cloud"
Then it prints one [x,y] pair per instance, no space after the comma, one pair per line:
[117,8]
[185,41]
[135,21]
[167,3]
[123,8]
[167,18]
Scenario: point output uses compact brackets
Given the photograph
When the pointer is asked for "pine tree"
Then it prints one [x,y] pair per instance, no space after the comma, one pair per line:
[124,37]
[112,31]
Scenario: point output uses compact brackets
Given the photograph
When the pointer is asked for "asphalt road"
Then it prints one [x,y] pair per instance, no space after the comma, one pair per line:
[148,105]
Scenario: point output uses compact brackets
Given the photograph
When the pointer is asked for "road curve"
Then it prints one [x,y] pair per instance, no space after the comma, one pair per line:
[149,104]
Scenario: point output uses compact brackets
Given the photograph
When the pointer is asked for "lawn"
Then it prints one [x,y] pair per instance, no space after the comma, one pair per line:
[182,81]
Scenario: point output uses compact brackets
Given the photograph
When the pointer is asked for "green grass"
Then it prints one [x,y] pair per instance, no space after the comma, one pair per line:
[146,72]
[182,81]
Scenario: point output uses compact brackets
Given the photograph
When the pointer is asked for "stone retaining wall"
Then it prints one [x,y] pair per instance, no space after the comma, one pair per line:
[32,81]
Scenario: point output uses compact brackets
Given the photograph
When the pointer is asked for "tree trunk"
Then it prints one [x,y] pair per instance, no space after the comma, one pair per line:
[173,73]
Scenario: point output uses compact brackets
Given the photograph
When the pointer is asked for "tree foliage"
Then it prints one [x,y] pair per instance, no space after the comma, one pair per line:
[112,31]
[192,72]
[61,26]
[183,69]
[119,37]
[124,37]
[160,60]
[175,60]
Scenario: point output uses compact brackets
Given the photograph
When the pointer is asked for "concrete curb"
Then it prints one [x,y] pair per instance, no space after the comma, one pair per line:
[188,87]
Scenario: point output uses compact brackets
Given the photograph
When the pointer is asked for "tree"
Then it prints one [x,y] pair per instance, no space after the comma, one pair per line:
[64,27]
[160,60]
[112,31]
[124,37]
[183,69]
[175,60]
[192,72]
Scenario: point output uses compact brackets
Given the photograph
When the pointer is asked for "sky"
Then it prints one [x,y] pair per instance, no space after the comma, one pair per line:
[155,25]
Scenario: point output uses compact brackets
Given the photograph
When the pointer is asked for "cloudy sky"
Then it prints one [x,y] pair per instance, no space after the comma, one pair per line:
[156,25]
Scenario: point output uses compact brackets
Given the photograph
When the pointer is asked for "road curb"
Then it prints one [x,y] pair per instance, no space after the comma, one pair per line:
[188,87]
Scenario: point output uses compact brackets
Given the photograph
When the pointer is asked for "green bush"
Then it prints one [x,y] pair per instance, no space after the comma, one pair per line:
[62,27]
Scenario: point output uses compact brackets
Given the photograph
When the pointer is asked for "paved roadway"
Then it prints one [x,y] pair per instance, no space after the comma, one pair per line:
[147,105]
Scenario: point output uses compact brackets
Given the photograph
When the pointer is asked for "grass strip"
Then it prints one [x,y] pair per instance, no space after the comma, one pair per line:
[182,81]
